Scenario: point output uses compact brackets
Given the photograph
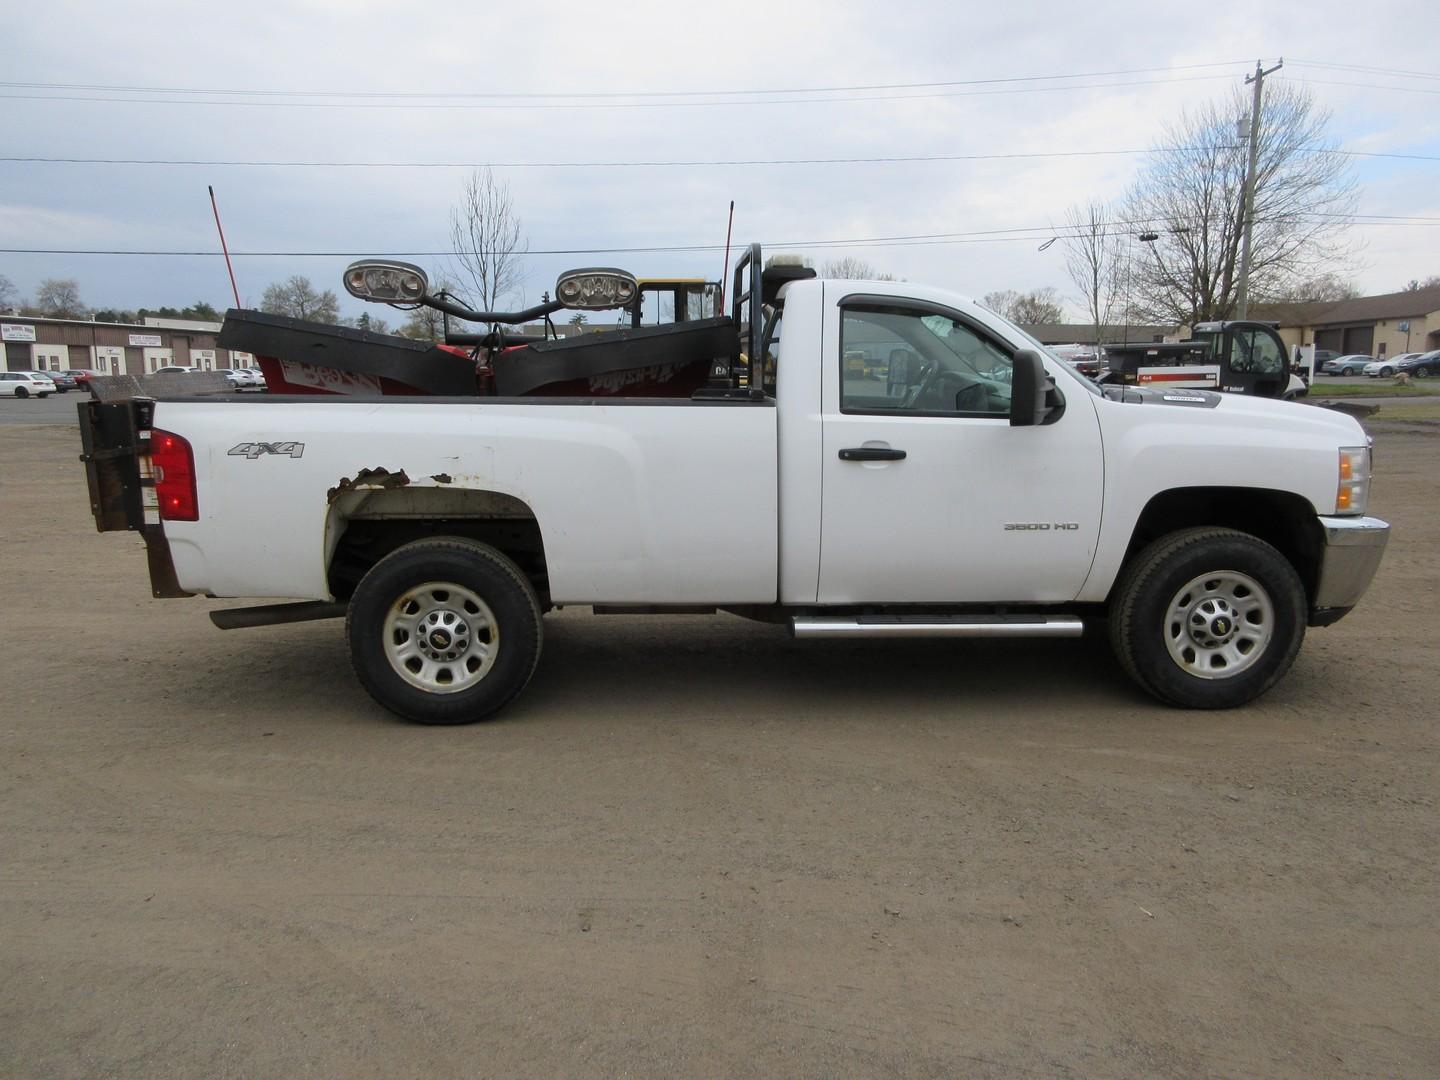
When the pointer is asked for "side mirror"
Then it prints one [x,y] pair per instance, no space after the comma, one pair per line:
[1034,399]
[382,281]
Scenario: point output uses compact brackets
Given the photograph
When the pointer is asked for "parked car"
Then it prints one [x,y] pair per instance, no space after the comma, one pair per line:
[1353,364]
[81,376]
[1386,368]
[1324,356]
[234,381]
[23,384]
[63,380]
[246,377]
[1422,366]
[172,368]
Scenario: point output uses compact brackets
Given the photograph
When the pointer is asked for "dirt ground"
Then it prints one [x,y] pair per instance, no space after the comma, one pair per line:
[698,848]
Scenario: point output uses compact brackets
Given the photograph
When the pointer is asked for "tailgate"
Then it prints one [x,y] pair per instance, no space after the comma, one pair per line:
[115,447]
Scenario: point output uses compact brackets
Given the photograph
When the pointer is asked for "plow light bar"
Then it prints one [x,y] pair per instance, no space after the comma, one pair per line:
[596,289]
[386,282]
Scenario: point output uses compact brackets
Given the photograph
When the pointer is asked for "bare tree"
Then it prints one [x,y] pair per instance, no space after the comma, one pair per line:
[299,299]
[59,298]
[1190,193]
[1321,288]
[9,295]
[488,241]
[1413,285]
[1093,257]
[1035,306]
[848,266]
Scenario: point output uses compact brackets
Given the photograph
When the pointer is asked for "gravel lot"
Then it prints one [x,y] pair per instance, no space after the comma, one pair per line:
[696,847]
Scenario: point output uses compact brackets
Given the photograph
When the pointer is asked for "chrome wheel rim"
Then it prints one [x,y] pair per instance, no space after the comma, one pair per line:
[441,637]
[1219,624]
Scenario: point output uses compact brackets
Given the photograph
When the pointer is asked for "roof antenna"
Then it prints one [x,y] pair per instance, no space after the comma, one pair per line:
[725,270]
[215,207]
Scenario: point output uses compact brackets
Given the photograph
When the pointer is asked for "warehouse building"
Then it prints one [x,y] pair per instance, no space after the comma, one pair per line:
[39,344]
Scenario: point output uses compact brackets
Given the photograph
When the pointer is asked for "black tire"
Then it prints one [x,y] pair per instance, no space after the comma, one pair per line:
[1422,373]
[1141,616]
[1387,373]
[511,621]
[21,392]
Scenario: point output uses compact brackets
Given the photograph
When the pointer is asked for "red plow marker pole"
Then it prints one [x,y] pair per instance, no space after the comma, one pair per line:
[218,228]
[725,270]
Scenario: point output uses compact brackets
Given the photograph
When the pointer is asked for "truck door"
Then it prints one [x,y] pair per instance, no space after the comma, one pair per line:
[928,494]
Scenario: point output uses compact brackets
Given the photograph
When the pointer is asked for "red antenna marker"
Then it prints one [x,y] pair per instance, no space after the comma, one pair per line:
[213,206]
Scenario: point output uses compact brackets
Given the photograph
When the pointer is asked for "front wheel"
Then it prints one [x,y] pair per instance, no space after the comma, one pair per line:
[1387,373]
[1422,373]
[444,631]
[1208,618]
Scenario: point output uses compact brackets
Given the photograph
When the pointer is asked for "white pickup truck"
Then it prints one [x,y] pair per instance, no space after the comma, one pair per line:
[960,482]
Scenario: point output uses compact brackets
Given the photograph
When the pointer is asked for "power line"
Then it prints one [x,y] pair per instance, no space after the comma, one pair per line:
[584,94]
[695,163]
[1368,86]
[1027,234]
[1397,72]
[896,159]
[608,105]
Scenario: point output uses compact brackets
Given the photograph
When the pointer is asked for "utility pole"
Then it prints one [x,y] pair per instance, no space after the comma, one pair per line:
[1242,293]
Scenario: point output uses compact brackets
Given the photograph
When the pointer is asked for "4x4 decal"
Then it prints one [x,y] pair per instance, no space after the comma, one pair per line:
[253,450]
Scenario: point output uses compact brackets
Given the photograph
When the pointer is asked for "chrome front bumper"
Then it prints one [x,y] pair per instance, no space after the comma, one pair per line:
[1348,561]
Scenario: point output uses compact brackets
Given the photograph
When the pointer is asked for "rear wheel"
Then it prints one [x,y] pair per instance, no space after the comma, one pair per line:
[444,631]
[1208,618]
[21,392]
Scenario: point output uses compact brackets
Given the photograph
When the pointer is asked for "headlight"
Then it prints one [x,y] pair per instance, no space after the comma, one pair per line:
[1353,489]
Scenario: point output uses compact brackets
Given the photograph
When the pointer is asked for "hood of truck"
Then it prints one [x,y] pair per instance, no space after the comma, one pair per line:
[1313,420]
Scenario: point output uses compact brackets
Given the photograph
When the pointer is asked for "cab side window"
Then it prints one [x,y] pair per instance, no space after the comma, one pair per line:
[898,359]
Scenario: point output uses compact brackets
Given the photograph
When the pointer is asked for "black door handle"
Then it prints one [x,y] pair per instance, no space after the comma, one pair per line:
[871,453]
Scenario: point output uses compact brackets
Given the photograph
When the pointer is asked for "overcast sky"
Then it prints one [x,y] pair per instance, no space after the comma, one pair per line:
[357,47]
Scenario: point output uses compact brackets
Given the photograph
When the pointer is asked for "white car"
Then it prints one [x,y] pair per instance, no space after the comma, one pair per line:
[1383,369]
[245,377]
[23,384]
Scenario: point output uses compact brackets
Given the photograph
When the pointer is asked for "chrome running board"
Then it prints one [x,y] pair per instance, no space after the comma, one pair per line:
[955,626]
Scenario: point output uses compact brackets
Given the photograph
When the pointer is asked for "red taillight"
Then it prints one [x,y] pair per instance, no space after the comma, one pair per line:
[174,464]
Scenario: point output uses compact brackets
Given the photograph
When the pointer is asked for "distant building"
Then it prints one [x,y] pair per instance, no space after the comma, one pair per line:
[1084,333]
[37,344]
[1384,325]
